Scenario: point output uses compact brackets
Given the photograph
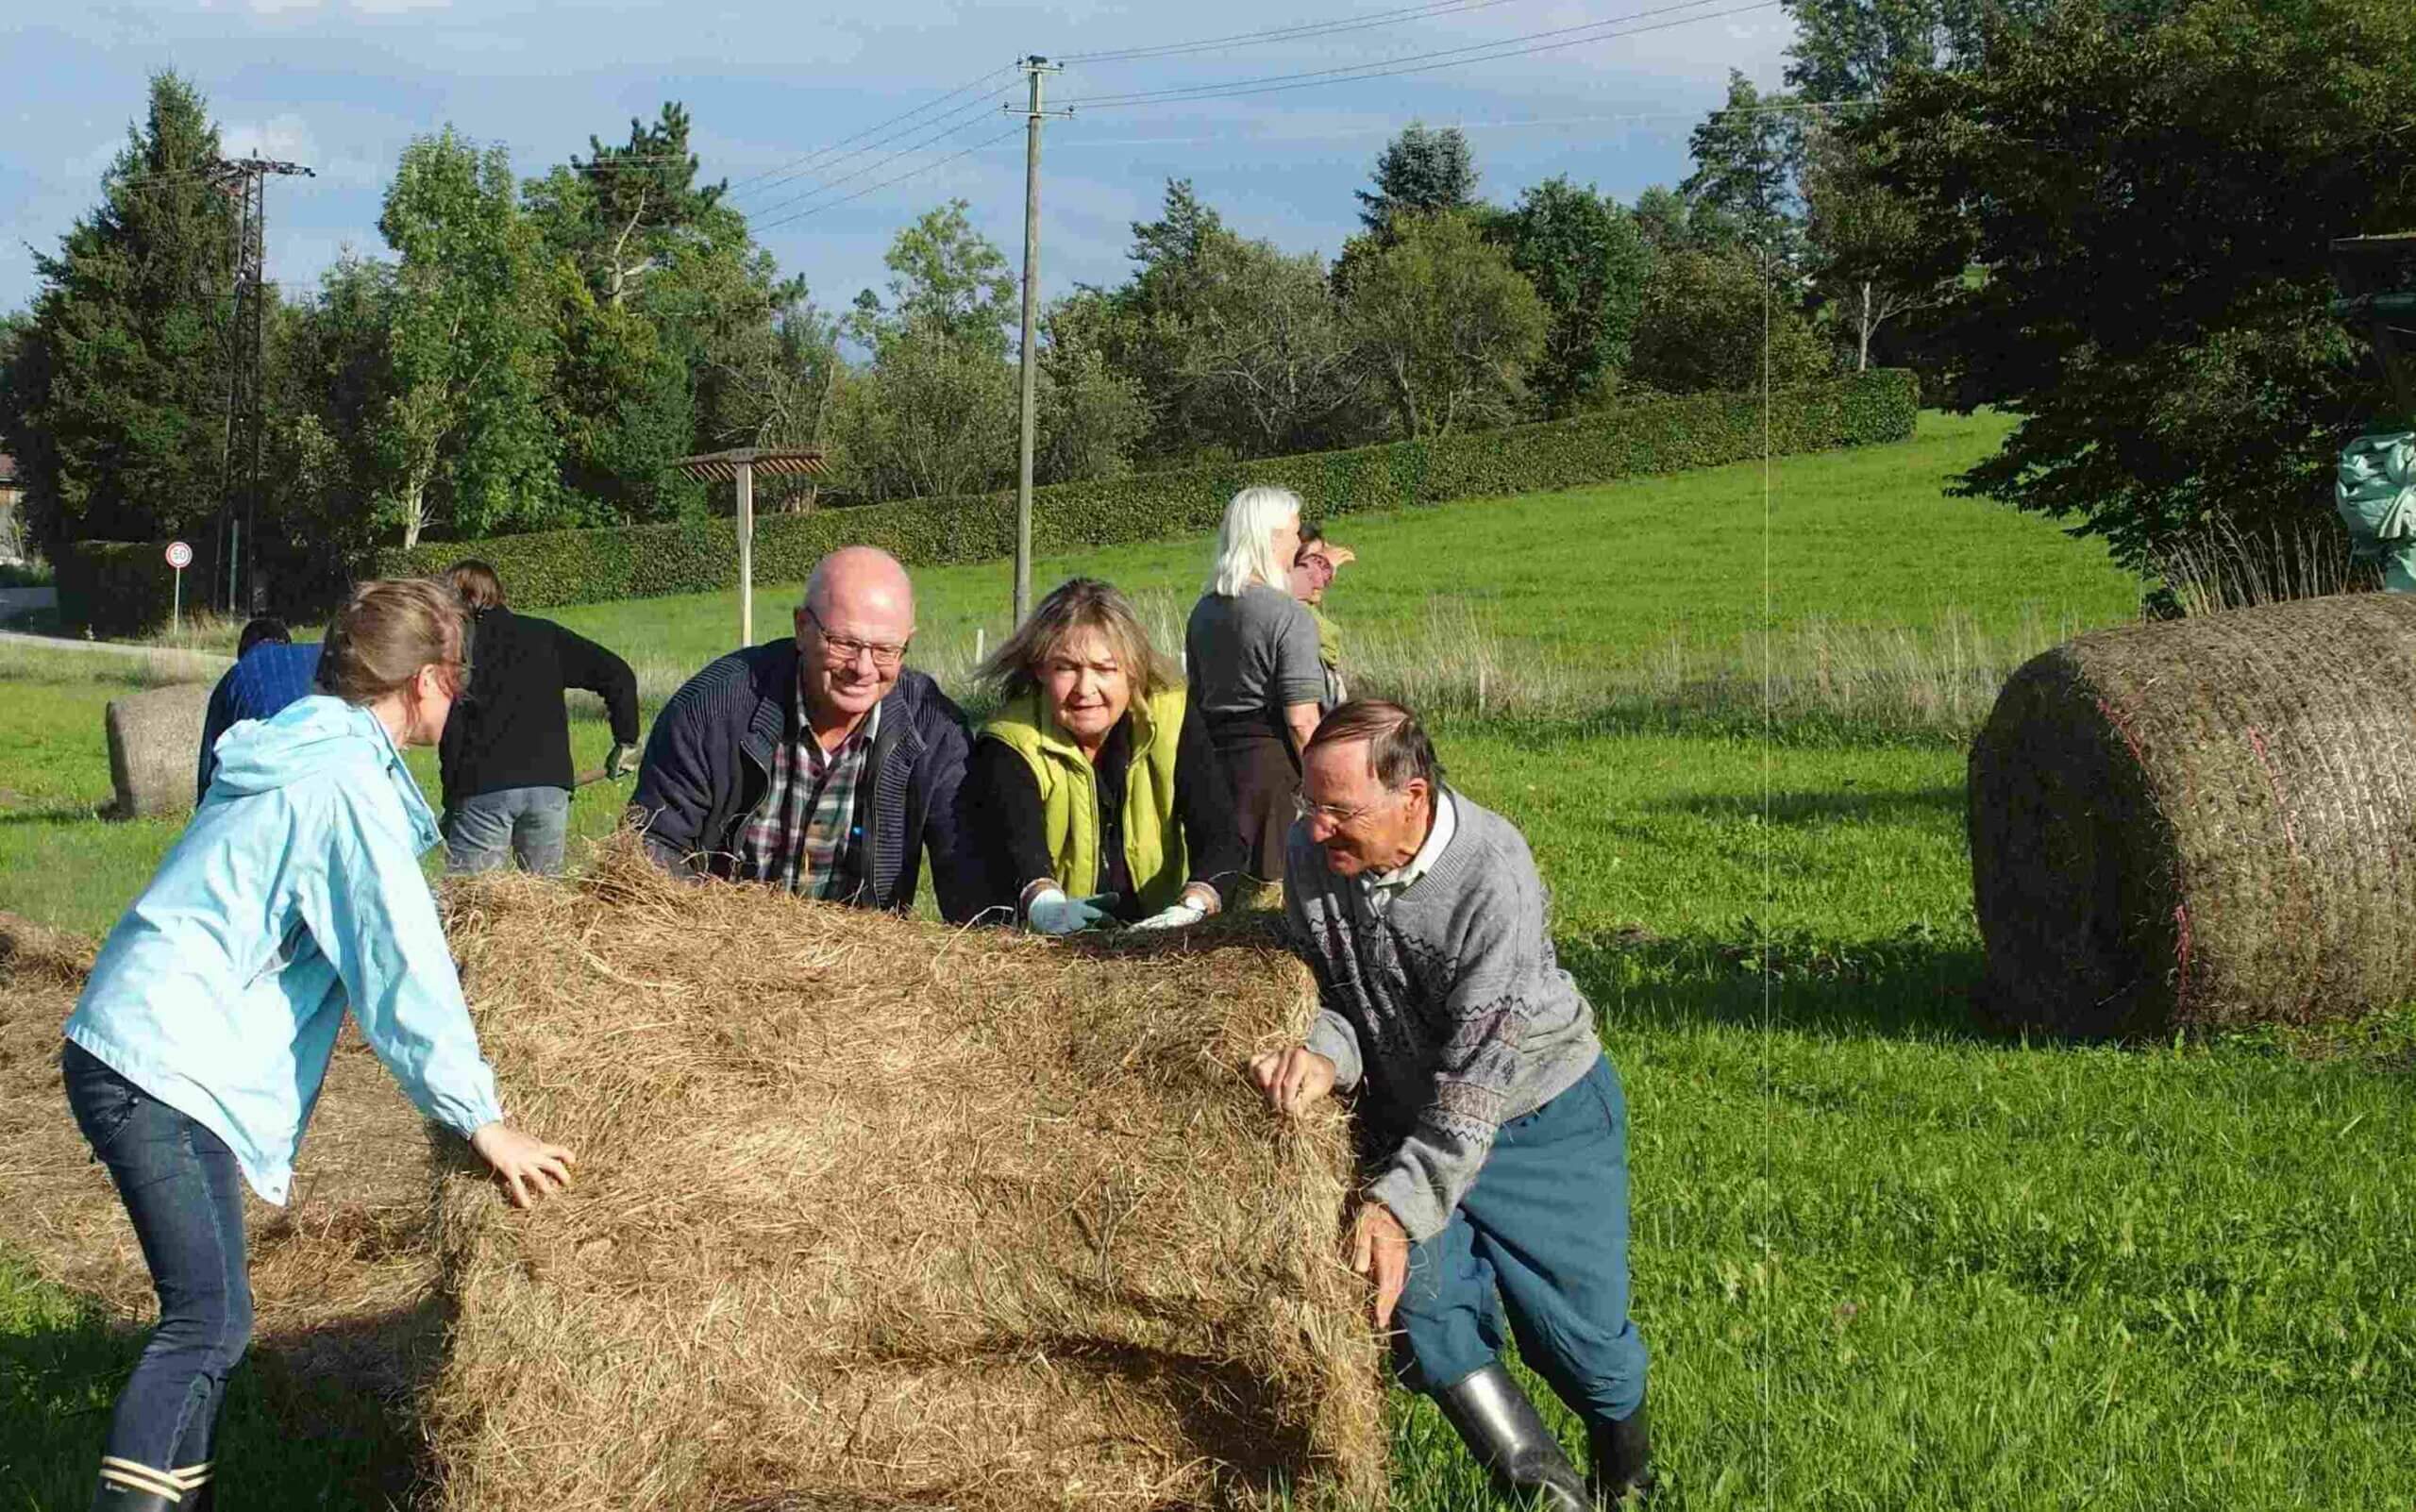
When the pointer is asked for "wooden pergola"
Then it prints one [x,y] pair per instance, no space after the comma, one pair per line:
[740,466]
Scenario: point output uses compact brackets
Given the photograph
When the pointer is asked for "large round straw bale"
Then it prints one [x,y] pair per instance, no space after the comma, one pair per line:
[2207,822]
[875,1213]
[155,744]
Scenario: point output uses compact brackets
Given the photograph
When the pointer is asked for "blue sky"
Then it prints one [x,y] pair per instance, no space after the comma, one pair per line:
[343,85]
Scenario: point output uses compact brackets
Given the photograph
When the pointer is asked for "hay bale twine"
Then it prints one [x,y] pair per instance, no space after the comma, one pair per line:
[155,744]
[872,1212]
[2207,822]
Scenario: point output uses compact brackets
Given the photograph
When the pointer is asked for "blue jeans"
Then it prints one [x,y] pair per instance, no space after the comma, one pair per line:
[524,823]
[1545,1230]
[185,1193]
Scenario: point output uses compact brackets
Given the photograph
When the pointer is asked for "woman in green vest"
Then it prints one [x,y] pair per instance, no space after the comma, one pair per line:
[1094,795]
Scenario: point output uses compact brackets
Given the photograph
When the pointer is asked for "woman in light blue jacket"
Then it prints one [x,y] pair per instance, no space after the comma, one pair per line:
[198,1046]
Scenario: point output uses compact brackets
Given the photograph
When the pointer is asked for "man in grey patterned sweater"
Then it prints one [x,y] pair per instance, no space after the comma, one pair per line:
[1495,1128]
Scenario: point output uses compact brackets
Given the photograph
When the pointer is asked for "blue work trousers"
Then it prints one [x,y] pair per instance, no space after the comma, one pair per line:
[1543,1230]
[185,1193]
[491,830]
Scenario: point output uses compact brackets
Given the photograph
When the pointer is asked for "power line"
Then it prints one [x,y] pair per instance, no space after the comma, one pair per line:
[1476,125]
[945,128]
[1300,33]
[804,165]
[807,214]
[971,83]
[1425,62]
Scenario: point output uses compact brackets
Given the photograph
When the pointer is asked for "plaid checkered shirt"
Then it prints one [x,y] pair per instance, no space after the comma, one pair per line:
[800,832]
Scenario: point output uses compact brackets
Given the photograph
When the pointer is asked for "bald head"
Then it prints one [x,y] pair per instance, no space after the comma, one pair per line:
[860,577]
[851,635]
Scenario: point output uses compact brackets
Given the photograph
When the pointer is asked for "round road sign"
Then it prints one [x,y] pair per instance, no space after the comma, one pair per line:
[179,555]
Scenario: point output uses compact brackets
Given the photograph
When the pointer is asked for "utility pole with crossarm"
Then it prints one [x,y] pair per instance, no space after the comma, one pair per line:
[246,181]
[1037,67]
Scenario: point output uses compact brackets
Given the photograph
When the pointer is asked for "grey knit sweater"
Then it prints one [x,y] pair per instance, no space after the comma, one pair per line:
[1452,1007]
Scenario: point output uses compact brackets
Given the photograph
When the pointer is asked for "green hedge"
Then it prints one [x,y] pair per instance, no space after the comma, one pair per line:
[1664,435]
[1654,436]
[127,587]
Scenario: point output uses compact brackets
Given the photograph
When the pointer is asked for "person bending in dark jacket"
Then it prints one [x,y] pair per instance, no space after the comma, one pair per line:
[821,764]
[1095,793]
[270,672]
[505,759]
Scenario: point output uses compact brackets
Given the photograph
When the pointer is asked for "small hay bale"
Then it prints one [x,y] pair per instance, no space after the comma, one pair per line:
[872,1212]
[155,744]
[2207,822]
[342,1276]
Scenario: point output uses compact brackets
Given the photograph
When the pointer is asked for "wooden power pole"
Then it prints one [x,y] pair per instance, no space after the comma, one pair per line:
[1036,67]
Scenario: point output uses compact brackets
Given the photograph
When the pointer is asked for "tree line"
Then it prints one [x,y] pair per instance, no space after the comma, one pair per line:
[534,353]
[2110,216]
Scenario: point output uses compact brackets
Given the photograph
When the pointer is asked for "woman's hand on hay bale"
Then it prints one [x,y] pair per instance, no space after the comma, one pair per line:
[1380,1251]
[1293,1080]
[526,1166]
[1050,912]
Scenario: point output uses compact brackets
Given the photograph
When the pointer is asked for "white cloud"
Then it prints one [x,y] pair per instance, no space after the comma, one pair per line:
[279,7]
[397,7]
[284,135]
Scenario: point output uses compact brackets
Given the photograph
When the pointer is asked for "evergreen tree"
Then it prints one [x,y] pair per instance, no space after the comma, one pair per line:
[1421,171]
[114,401]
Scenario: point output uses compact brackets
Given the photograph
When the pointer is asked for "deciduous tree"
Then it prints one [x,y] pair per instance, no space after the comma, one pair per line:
[1445,325]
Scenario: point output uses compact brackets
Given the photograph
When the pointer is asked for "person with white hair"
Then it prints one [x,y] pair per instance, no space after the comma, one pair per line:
[1251,653]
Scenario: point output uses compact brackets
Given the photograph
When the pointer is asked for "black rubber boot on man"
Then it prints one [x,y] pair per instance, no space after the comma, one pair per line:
[1621,1453]
[1501,1429]
[128,1487]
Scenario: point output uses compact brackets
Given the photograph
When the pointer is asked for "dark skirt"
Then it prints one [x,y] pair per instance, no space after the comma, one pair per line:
[1265,777]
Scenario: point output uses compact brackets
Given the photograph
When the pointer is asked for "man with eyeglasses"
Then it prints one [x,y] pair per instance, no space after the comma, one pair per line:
[819,763]
[1494,1126]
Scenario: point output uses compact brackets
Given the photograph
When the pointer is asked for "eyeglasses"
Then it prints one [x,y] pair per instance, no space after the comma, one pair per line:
[842,650]
[1307,812]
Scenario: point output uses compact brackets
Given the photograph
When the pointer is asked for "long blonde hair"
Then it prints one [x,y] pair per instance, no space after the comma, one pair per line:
[1246,542]
[1077,605]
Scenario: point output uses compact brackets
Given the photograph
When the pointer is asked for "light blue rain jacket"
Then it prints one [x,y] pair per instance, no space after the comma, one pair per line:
[295,889]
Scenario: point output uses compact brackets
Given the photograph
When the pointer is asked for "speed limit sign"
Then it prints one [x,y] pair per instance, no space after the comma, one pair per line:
[179,557]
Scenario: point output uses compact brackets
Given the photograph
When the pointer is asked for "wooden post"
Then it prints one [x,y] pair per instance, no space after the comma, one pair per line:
[1028,360]
[747,552]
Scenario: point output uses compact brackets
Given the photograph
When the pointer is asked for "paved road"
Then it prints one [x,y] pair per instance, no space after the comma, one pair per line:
[60,642]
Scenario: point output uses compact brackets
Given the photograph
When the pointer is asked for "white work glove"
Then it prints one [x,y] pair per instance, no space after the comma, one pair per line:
[1181,916]
[1051,912]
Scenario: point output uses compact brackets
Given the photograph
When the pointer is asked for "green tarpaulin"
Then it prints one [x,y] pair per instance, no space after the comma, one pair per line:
[2376,497]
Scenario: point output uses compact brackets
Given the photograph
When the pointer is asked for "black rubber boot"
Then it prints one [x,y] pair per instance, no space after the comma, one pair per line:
[1501,1429]
[1622,1459]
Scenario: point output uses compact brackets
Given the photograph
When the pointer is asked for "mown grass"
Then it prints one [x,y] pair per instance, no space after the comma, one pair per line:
[1883,1259]
[1618,579]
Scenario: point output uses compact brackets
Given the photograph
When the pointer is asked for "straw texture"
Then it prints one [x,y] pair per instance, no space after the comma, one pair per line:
[2209,822]
[155,744]
[873,1212]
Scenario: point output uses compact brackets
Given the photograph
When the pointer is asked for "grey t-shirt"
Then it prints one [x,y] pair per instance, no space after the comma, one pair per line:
[1252,655]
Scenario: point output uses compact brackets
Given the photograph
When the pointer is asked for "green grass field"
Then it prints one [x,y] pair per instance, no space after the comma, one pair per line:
[1883,1260]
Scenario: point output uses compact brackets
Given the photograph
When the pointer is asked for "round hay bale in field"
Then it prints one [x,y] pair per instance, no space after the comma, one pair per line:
[2207,822]
[877,1213]
[155,744]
